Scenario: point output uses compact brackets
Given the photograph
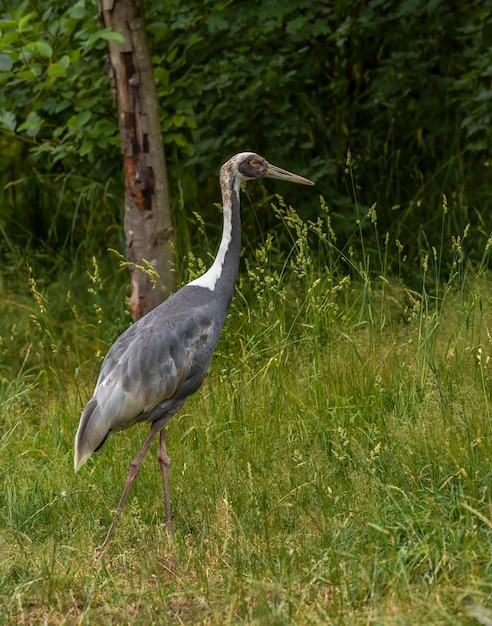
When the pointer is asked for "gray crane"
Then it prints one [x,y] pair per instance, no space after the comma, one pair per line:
[159,361]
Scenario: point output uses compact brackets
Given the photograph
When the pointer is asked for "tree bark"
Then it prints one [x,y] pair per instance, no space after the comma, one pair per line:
[148,226]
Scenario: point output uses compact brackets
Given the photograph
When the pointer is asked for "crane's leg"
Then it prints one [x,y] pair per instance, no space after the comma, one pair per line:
[132,474]
[165,464]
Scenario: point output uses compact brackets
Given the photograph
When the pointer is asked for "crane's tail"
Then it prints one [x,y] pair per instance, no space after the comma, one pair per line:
[91,434]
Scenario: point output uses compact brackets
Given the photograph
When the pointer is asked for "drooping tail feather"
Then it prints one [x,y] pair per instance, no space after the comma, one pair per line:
[91,434]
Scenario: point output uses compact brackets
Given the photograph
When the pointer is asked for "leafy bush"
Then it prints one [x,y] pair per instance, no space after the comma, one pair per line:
[405,87]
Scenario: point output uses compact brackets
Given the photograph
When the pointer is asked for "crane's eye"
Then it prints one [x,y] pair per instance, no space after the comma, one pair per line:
[254,163]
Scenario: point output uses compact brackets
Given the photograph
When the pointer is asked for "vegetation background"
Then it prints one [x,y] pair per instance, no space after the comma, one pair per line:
[336,466]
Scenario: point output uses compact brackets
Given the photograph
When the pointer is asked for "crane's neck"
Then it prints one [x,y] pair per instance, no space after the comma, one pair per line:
[221,277]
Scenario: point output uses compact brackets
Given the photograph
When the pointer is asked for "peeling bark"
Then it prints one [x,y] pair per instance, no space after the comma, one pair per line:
[148,226]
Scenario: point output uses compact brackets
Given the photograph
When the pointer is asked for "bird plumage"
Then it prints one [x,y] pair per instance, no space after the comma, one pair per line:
[157,363]
[152,368]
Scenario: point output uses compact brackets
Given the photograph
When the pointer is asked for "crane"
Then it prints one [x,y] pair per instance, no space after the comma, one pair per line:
[159,361]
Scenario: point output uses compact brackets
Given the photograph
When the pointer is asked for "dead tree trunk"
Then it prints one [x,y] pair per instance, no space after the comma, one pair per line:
[148,226]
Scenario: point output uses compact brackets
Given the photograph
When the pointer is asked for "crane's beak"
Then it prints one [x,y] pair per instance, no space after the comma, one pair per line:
[276,172]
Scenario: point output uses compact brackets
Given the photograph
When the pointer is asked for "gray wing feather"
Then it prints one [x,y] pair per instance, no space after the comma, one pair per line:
[144,372]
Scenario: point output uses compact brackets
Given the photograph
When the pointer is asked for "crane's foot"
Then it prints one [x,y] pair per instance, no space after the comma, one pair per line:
[102,549]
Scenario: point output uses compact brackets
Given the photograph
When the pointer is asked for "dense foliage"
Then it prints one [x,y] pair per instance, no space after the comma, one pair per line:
[406,87]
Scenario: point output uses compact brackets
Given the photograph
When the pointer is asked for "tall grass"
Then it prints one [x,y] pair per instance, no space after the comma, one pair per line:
[334,468]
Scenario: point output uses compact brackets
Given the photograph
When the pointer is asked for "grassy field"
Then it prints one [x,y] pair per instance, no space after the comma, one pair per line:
[335,468]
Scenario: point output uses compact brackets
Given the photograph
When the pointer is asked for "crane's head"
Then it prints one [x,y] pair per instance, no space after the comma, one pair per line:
[248,165]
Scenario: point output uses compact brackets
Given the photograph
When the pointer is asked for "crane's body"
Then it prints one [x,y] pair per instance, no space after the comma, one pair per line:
[151,370]
[157,363]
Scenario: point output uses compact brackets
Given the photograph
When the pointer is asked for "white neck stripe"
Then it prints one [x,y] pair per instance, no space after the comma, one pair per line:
[212,275]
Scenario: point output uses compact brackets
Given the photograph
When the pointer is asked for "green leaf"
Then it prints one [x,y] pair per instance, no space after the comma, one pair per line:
[43,48]
[180,140]
[111,35]
[178,120]
[24,21]
[73,122]
[321,28]
[166,124]
[83,117]
[32,124]
[296,24]
[172,55]
[64,62]
[26,74]
[162,75]
[8,121]
[8,25]
[484,94]
[6,62]
[86,148]
[217,23]
[56,71]
[9,38]
[78,11]
[74,56]
[79,120]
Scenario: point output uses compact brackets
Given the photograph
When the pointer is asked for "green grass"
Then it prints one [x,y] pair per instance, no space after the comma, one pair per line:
[335,468]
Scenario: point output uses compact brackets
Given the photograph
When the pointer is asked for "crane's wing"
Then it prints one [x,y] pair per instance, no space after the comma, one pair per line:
[147,374]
